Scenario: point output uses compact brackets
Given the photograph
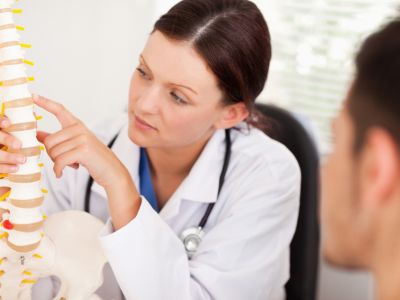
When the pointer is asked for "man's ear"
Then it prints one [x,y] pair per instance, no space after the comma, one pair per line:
[379,168]
[232,115]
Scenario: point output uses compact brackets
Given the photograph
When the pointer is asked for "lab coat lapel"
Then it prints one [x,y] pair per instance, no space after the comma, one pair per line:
[201,185]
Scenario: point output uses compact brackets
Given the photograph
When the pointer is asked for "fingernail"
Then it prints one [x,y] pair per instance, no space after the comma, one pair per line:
[14,168]
[35,97]
[5,123]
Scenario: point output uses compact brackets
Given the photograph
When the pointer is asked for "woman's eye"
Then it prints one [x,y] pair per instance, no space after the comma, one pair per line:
[178,99]
[142,73]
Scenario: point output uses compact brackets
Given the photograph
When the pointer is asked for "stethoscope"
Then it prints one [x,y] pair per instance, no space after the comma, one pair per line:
[191,237]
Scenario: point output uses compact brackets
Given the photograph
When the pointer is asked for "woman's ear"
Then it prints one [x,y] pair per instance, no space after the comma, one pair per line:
[232,115]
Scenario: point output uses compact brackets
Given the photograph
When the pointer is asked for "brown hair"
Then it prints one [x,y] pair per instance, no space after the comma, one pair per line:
[374,99]
[232,37]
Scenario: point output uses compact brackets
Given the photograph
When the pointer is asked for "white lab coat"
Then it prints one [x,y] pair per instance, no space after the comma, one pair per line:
[245,250]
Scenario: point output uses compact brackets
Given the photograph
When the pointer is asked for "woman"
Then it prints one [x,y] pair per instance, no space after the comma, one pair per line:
[190,110]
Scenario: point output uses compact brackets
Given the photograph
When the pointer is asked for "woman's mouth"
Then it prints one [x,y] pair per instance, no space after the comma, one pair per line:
[142,124]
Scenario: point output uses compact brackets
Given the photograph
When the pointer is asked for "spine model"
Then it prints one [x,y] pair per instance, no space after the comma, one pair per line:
[24,221]
[65,245]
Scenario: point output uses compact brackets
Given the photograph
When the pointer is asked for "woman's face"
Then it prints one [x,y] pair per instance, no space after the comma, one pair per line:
[174,98]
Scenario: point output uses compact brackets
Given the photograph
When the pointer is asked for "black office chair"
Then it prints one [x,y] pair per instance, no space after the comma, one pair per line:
[304,248]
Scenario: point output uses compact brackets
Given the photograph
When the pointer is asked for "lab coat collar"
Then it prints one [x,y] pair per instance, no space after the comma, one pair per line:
[201,185]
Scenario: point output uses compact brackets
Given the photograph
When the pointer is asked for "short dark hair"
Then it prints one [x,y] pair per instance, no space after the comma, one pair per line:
[374,99]
[232,37]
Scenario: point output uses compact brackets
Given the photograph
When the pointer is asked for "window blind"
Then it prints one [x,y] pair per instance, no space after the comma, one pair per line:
[314,44]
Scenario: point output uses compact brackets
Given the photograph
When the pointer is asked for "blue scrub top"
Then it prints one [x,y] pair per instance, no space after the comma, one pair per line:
[146,184]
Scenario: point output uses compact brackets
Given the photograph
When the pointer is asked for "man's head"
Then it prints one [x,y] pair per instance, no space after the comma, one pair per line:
[361,178]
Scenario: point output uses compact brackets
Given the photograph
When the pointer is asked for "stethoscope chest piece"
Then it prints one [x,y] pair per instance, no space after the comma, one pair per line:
[191,239]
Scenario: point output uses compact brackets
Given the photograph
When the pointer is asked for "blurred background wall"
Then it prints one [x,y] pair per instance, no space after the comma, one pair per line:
[86,50]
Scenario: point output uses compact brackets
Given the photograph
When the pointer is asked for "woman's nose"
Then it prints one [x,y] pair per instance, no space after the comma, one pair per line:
[149,102]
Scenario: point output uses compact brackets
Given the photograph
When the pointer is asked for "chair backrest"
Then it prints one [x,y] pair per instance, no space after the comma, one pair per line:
[305,245]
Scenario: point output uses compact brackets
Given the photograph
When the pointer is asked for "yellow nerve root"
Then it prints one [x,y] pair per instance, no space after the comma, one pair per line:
[5,196]
[27,46]
[28,62]
[28,281]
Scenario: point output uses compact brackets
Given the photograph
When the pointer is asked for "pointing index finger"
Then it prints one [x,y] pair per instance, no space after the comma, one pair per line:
[58,110]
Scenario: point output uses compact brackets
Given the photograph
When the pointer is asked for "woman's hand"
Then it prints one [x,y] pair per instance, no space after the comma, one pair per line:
[9,161]
[76,145]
